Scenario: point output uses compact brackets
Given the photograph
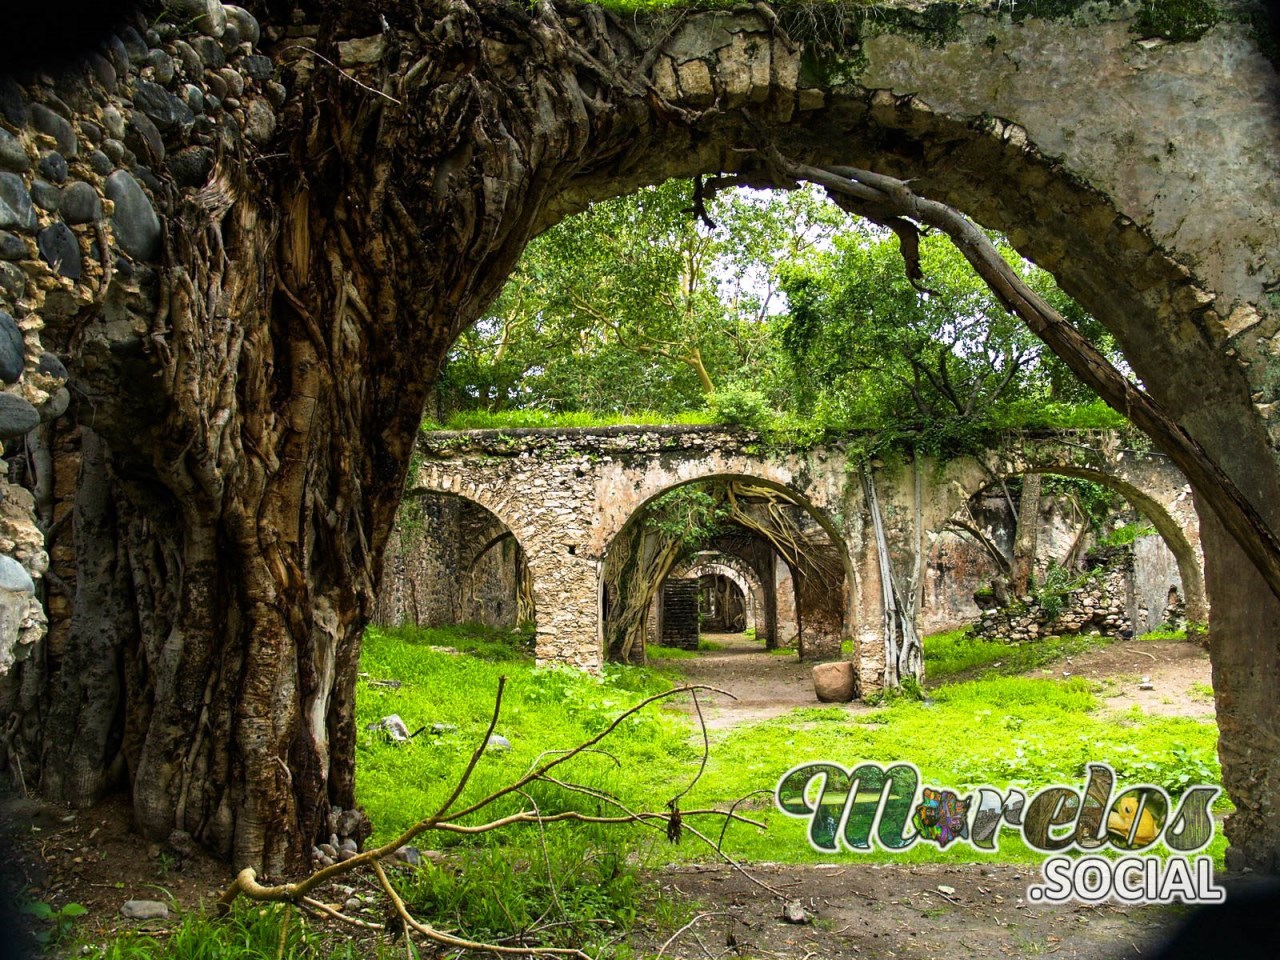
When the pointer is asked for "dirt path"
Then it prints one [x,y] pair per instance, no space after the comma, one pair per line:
[898,911]
[768,685]
[1178,673]
[765,685]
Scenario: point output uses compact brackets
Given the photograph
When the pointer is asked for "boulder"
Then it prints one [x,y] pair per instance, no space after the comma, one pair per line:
[834,682]
[393,727]
[145,910]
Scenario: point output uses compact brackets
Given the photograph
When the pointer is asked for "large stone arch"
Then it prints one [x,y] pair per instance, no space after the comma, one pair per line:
[623,498]
[272,441]
[555,583]
[1147,479]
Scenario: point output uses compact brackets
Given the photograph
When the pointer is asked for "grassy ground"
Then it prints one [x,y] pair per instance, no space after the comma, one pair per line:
[987,728]
[991,728]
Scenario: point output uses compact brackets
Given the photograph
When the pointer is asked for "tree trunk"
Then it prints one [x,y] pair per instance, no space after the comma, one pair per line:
[1245,648]
[1025,540]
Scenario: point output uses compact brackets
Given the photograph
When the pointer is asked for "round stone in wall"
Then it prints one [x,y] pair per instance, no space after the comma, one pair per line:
[56,126]
[13,104]
[80,204]
[12,247]
[13,155]
[45,195]
[17,417]
[16,210]
[164,109]
[136,225]
[57,405]
[51,366]
[14,576]
[245,23]
[12,280]
[53,166]
[12,349]
[60,249]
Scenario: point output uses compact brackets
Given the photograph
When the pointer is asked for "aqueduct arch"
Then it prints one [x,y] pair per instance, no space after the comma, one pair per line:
[735,569]
[274,441]
[824,574]
[1147,480]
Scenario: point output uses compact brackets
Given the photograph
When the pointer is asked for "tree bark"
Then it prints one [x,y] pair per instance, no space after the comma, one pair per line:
[1027,537]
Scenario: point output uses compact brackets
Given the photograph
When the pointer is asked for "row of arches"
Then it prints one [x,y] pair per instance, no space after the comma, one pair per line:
[758,552]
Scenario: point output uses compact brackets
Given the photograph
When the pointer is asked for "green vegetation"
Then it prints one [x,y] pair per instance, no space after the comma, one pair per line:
[1164,633]
[997,729]
[789,318]
[258,932]
[958,654]
[1126,534]
[520,417]
[657,652]
[56,924]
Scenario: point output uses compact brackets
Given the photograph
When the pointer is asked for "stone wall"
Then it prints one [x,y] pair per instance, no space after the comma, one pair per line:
[422,565]
[449,562]
[1156,594]
[1100,605]
[92,161]
[565,495]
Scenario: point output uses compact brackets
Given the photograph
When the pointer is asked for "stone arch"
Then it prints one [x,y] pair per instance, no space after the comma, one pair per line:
[1123,190]
[732,568]
[1146,479]
[448,562]
[831,611]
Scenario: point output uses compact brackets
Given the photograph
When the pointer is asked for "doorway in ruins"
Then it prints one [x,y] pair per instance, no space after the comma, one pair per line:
[1043,553]
[453,562]
[728,563]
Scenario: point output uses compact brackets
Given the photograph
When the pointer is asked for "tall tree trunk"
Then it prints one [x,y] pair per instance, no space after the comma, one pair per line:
[1026,539]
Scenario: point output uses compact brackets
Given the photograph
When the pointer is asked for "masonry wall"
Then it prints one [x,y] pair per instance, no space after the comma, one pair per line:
[434,570]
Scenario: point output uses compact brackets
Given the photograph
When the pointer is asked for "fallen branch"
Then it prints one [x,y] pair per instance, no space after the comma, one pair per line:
[671,822]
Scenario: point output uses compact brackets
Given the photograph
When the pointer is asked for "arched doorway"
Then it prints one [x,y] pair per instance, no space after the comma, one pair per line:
[678,528]
[453,561]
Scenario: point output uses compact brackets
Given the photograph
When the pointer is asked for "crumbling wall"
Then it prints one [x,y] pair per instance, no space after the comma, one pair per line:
[1101,605]
[1156,596]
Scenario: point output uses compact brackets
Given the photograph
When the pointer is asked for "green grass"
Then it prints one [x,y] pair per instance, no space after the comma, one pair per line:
[956,654]
[1201,691]
[1004,731]
[1164,633]
[993,729]
[656,652]
[508,419]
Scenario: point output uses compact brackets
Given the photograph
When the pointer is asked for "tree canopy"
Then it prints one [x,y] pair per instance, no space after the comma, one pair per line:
[776,308]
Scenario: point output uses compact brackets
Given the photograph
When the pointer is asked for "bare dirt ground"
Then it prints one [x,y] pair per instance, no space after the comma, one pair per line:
[898,911]
[1178,673]
[765,685]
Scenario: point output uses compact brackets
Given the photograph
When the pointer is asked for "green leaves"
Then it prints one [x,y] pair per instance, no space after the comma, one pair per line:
[789,317]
